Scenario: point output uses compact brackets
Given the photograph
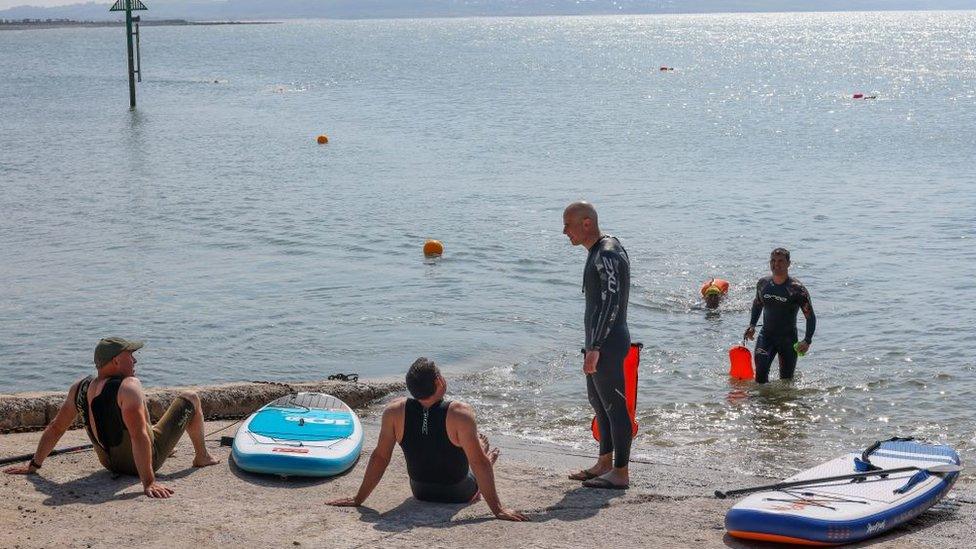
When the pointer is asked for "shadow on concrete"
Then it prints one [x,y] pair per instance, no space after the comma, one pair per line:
[98,487]
[579,503]
[413,513]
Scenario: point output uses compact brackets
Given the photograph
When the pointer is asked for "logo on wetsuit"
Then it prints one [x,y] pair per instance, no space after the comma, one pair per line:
[610,266]
[776,297]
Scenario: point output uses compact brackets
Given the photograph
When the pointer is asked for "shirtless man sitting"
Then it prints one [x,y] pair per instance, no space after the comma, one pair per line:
[440,440]
[113,409]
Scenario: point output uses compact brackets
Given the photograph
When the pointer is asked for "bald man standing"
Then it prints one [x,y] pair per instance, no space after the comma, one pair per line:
[606,283]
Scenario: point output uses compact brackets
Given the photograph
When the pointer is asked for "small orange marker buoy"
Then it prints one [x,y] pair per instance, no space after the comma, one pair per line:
[433,248]
[322,139]
[740,362]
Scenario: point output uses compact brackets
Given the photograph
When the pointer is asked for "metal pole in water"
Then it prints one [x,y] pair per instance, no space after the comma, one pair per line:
[128,44]
[136,20]
[127,6]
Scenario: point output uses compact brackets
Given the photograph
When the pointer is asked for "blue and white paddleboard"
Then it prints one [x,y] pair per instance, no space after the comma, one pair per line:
[302,434]
[833,513]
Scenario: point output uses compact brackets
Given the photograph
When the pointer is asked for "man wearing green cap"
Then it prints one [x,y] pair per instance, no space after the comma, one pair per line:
[113,409]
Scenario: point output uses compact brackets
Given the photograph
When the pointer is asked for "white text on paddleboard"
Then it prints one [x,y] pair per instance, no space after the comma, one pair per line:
[876,527]
[318,420]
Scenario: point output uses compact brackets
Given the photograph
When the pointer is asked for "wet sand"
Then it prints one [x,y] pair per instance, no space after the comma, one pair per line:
[74,502]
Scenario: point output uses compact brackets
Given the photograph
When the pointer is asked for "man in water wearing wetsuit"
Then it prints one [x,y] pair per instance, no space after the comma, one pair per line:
[113,410]
[713,291]
[778,298]
[606,283]
[447,460]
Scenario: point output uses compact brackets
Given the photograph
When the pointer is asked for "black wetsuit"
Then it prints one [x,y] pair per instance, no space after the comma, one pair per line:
[779,304]
[438,469]
[606,283]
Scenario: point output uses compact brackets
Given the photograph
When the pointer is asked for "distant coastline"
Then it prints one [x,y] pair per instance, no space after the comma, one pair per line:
[36,24]
[267,10]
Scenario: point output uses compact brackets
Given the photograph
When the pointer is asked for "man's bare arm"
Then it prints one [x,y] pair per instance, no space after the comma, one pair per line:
[52,434]
[380,458]
[463,420]
[132,403]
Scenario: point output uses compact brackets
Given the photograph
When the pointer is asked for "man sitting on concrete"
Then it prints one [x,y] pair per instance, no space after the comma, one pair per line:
[440,440]
[113,409]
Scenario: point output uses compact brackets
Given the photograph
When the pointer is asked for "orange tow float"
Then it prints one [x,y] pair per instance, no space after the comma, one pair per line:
[631,365]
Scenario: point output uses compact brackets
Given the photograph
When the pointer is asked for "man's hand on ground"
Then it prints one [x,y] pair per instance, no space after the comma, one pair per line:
[24,469]
[156,490]
[343,502]
[514,516]
[590,361]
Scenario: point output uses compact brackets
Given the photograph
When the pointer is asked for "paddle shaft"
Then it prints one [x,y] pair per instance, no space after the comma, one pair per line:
[722,495]
[25,457]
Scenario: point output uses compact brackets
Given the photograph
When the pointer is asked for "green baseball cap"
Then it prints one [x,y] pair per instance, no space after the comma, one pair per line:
[110,347]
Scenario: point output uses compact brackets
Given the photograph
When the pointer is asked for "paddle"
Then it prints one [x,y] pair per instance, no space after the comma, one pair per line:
[25,457]
[935,469]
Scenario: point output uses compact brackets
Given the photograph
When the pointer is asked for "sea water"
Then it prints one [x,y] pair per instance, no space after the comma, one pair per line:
[210,223]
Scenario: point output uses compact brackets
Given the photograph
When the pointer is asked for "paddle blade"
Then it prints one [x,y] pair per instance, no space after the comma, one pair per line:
[740,363]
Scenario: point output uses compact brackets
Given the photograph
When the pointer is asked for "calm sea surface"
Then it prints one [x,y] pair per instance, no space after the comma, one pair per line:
[209,223]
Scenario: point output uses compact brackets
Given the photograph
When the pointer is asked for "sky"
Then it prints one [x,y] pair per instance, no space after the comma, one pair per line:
[4,4]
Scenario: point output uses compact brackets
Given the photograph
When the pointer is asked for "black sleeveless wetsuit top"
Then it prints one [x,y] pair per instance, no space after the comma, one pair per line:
[430,454]
[105,412]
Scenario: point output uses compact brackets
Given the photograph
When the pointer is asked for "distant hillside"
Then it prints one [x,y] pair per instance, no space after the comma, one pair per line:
[356,9]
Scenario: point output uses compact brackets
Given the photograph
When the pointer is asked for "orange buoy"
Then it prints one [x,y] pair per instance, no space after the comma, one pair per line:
[740,362]
[631,365]
[322,139]
[715,285]
[433,248]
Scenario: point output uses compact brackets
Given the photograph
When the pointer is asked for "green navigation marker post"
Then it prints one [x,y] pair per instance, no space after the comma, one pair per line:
[128,6]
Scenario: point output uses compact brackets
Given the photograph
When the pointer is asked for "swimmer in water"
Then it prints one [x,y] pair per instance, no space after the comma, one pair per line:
[713,291]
